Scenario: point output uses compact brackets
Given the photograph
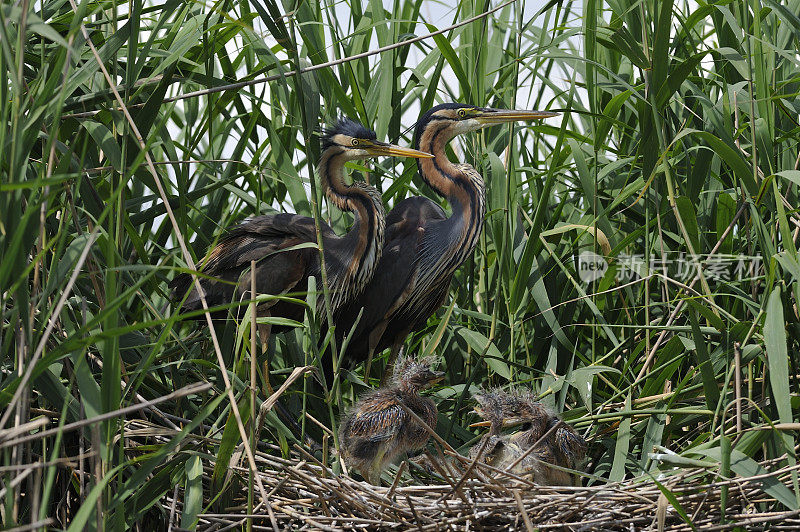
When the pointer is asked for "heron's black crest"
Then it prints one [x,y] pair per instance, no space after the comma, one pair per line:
[345,126]
[423,121]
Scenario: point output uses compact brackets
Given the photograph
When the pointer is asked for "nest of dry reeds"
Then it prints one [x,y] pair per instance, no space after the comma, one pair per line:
[300,493]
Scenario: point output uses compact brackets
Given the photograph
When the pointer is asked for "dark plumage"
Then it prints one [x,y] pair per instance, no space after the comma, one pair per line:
[280,242]
[378,428]
[423,246]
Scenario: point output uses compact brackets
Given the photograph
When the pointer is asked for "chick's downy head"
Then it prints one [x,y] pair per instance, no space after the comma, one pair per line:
[416,374]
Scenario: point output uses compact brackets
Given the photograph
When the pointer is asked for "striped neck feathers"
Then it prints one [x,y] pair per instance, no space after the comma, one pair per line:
[463,189]
[364,242]
[446,247]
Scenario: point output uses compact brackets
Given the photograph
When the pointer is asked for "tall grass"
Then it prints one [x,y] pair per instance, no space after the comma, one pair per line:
[678,139]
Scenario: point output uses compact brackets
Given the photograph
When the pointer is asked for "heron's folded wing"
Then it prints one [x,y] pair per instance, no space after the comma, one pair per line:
[262,239]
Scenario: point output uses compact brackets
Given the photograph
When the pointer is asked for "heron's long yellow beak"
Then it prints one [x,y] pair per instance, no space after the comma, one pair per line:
[491,116]
[392,150]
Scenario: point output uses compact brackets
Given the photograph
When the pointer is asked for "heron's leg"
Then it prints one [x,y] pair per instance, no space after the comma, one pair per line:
[376,467]
[374,337]
[396,347]
[264,330]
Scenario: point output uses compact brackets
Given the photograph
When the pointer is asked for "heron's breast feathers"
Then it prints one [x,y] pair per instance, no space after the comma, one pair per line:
[348,282]
[446,244]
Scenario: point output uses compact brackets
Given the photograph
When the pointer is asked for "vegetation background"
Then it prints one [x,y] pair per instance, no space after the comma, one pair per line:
[679,134]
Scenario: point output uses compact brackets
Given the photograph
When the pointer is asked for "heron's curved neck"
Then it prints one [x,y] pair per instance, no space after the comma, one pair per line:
[331,178]
[355,255]
[448,245]
[463,191]
[407,389]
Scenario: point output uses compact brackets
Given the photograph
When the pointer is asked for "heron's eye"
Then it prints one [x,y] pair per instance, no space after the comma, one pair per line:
[462,113]
[355,142]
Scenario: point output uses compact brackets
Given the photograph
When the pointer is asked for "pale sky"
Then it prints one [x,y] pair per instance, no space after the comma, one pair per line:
[441,15]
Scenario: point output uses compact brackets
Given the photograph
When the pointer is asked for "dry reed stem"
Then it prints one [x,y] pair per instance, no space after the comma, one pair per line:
[305,495]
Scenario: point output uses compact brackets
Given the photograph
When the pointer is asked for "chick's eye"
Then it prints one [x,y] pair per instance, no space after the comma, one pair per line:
[462,113]
[355,142]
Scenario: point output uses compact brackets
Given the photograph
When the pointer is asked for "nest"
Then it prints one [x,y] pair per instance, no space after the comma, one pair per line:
[301,493]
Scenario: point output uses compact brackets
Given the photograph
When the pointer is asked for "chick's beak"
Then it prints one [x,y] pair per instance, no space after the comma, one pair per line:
[484,423]
[437,376]
[491,117]
[514,421]
[385,149]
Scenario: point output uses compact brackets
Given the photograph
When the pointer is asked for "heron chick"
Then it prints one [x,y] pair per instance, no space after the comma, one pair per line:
[538,445]
[553,442]
[379,428]
[493,448]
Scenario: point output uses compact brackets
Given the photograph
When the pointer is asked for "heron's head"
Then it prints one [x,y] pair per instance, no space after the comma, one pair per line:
[522,408]
[354,141]
[490,408]
[515,408]
[416,374]
[448,120]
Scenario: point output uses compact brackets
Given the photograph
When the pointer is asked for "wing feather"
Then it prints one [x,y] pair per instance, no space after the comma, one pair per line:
[265,239]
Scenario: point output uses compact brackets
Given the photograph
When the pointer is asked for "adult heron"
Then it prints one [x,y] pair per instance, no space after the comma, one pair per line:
[276,241]
[424,247]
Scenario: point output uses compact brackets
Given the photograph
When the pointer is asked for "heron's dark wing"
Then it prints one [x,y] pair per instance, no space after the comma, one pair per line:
[416,210]
[394,275]
[265,239]
[257,238]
